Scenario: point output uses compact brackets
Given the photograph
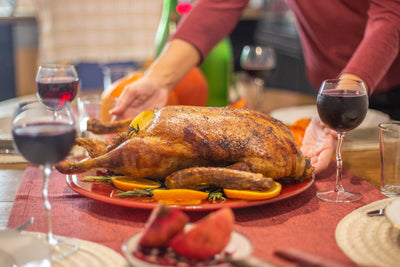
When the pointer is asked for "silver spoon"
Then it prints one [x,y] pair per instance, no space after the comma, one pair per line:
[373,213]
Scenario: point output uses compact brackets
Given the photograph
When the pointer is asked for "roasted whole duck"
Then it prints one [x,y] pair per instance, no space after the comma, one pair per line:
[196,145]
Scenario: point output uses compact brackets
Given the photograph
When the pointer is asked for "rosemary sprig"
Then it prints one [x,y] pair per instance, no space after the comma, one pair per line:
[148,192]
[132,131]
[217,195]
[97,178]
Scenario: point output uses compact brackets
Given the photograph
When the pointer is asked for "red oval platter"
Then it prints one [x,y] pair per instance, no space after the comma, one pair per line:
[103,191]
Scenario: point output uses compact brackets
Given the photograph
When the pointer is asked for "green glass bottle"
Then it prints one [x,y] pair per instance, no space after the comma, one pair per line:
[169,20]
[217,67]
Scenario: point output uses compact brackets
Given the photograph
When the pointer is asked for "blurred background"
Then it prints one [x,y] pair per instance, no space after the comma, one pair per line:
[95,33]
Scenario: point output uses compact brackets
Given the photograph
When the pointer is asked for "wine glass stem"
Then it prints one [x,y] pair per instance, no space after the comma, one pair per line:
[47,206]
[259,85]
[259,82]
[339,185]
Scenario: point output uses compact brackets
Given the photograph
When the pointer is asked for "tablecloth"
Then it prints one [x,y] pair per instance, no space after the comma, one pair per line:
[303,221]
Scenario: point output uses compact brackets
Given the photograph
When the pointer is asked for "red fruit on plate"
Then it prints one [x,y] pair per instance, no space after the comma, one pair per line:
[207,237]
[163,223]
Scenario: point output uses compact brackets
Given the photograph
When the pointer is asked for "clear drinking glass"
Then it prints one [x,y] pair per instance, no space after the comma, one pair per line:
[57,82]
[258,62]
[44,138]
[342,105]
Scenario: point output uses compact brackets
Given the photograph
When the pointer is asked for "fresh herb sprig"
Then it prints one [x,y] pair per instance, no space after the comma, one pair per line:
[217,195]
[148,192]
[97,178]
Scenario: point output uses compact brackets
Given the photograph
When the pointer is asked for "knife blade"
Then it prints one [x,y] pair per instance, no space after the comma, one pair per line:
[379,212]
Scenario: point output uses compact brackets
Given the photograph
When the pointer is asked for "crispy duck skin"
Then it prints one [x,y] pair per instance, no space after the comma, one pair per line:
[98,127]
[200,178]
[180,137]
[93,146]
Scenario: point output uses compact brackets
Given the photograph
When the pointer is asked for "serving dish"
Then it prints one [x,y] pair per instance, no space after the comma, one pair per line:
[103,191]
[238,248]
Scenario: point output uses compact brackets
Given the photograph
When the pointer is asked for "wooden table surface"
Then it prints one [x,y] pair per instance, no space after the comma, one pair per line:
[363,163]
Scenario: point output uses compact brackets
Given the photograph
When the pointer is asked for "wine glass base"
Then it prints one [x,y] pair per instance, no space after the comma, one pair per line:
[339,196]
[62,248]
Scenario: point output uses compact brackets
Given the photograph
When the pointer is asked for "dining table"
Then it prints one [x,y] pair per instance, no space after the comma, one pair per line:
[300,222]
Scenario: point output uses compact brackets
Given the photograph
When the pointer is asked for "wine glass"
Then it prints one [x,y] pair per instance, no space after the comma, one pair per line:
[342,105]
[57,81]
[45,139]
[259,62]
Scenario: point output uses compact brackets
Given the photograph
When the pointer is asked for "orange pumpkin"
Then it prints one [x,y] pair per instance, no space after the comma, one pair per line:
[191,90]
[298,129]
[108,98]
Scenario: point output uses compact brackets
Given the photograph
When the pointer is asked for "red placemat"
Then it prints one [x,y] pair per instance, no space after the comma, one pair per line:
[302,222]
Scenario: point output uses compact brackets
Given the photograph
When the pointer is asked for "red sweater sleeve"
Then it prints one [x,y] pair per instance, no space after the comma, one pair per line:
[380,45]
[208,22]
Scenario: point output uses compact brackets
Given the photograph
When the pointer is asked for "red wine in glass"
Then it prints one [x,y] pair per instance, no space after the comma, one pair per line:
[258,62]
[60,88]
[342,110]
[56,81]
[255,71]
[342,105]
[44,143]
[44,137]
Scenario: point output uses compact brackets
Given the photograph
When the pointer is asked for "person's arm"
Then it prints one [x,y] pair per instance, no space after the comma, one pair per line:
[380,45]
[151,91]
[176,60]
[209,22]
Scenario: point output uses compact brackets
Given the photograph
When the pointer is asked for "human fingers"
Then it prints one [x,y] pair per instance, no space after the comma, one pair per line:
[131,99]
[121,106]
[323,160]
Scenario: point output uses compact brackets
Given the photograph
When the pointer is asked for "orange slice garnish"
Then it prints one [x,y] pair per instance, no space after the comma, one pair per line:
[141,120]
[126,183]
[254,195]
[179,196]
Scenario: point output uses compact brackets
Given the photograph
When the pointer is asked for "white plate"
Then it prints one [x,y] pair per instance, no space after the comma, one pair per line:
[239,247]
[291,114]
[18,249]
[28,249]
[392,212]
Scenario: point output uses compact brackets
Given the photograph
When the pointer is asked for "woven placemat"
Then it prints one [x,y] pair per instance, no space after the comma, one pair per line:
[369,240]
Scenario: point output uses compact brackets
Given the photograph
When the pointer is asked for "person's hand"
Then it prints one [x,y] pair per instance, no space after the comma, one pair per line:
[319,144]
[152,90]
[143,94]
